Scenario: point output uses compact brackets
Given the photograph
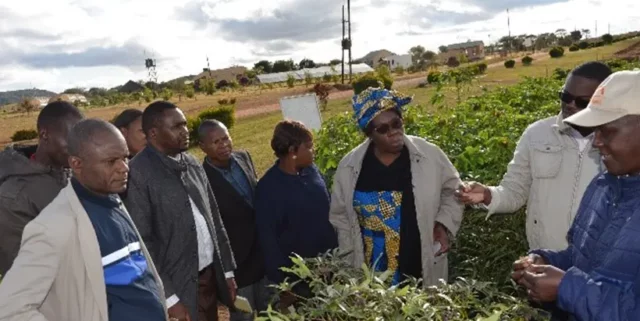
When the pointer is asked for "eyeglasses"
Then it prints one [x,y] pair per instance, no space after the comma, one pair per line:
[385,128]
[567,98]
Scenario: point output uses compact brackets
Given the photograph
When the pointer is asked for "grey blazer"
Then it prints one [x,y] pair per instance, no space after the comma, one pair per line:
[158,201]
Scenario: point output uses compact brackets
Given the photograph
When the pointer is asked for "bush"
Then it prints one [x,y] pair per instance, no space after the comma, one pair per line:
[583,45]
[482,67]
[371,79]
[291,81]
[25,134]
[527,60]
[599,44]
[224,114]
[222,84]
[453,62]
[434,77]
[510,63]
[574,48]
[341,292]
[223,101]
[607,39]
[556,52]
[399,70]
[560,74]
[244,81]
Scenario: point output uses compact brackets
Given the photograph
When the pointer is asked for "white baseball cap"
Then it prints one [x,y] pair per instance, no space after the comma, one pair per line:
[616,97]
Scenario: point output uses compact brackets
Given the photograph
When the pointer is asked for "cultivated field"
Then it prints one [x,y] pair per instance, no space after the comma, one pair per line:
[257,110]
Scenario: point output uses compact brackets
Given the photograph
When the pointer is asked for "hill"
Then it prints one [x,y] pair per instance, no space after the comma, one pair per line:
[12,97]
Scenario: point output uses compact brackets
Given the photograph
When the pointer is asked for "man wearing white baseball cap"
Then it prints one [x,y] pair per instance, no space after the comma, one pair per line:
[598,276]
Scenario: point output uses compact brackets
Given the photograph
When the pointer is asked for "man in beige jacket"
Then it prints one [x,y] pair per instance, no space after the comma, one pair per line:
[82,258]
[552,165]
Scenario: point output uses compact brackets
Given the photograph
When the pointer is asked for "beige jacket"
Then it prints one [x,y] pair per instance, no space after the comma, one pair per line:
[58,274]
[434,179]
[549,174]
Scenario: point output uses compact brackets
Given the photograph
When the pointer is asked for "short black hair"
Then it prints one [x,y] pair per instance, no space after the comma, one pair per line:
[208,125]
[125,118]
[55,112]
[153,113]
[287,134]
[369,129]
[593,70]
[84,134]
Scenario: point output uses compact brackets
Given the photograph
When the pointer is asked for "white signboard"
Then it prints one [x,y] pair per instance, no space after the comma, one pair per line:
[304,108]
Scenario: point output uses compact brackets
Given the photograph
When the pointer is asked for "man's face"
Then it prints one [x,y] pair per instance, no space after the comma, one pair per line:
[102,167]
[619,145]
[576,94]
[136,139]
[217,144]
[171,132]
[55,139]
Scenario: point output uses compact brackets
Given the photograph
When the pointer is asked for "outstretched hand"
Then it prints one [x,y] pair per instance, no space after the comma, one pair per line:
[542,282]
[472,193]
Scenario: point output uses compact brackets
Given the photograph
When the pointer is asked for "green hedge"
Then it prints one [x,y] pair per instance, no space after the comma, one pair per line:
[225,114]
[25,134]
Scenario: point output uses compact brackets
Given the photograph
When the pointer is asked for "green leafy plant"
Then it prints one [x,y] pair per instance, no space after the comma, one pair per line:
[607,38]
[583,45]
[225,114]
[24,134]
[291,81]
[510,63]
[341,292]
[371,79]
[527,60]
[556,52]
[574,48]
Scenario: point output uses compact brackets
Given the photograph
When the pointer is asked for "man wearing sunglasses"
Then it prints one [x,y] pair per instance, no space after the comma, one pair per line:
[552,165]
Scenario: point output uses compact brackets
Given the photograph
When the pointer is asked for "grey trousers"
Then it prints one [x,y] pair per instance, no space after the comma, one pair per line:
[259,295]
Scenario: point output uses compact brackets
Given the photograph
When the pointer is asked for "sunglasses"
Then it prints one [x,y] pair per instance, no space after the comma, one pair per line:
[567,98]
[385,128]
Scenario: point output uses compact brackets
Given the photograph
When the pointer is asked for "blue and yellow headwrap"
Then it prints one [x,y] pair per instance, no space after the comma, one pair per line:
[373,101]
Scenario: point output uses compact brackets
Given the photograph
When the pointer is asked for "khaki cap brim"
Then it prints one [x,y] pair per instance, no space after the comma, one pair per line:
[592,117]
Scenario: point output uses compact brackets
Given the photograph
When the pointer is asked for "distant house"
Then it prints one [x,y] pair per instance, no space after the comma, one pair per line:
[228,74]
[474,50]
[395,61]
[374,58]
[131,87]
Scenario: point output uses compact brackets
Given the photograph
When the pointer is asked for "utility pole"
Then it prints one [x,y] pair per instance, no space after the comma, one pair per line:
[596,29]
[343,30]
[509,28]
[609,28]
[350,41]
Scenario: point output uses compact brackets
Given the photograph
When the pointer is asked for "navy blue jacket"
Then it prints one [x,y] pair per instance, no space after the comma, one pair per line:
[602,262]
[132,292]
[292,216]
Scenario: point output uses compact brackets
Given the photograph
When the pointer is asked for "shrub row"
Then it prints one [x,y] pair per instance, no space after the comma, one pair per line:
[225,114]
[472,70]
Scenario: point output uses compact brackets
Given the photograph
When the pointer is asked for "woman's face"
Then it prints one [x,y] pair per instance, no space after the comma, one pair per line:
[304,154]
[388,132]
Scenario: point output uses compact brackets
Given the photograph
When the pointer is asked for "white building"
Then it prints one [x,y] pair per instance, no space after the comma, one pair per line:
[396,61]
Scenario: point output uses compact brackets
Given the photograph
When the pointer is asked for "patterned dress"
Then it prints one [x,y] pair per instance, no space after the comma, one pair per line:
[384,202]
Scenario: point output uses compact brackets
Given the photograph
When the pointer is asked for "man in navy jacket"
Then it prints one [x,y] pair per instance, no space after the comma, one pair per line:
[598,276]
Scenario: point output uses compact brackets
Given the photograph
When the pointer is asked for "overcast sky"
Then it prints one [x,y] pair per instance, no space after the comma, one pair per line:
[58,44]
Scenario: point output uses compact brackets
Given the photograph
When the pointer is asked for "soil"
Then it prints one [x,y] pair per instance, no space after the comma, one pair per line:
[629,53]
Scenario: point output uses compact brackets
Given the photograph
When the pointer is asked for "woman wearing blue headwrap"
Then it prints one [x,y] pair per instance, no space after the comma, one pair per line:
[393,202]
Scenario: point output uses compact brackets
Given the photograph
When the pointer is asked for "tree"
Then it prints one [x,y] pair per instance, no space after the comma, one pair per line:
[264,65]
[75,91]
[565,42]
[443,49]
[607,38]
[421,58]
[179,88]
[334,62]
[586,33]
[576,35]
[561,33]
[28,105]
[283,65]
[307,63]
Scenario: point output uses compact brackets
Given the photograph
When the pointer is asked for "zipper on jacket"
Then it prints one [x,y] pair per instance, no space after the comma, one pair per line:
[577,176]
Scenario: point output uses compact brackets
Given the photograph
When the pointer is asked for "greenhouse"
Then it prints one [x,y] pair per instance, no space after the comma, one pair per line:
[314,72]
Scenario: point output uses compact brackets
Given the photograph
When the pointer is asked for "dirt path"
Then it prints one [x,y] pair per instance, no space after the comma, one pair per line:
[247,112]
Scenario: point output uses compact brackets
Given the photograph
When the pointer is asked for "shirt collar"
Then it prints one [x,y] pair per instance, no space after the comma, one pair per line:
[83,193]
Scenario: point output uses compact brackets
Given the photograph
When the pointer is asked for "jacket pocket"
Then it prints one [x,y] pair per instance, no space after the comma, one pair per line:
[546,160]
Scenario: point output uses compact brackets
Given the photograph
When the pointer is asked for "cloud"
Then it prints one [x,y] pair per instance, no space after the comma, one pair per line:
[299,20]
[128,55]
[273,48]
[493,6]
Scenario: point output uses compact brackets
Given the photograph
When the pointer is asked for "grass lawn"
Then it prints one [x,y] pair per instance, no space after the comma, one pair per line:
[254,133]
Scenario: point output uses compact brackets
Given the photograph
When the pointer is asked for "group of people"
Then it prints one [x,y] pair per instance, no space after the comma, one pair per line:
[105,221]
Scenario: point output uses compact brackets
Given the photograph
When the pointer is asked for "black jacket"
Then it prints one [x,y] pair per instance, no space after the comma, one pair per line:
[158,201]
[239,219]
